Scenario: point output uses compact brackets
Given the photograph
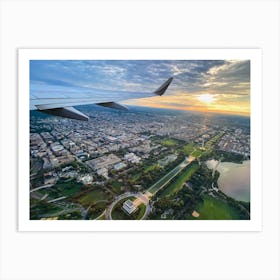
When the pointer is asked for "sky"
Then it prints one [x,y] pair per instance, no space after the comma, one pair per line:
[221,86]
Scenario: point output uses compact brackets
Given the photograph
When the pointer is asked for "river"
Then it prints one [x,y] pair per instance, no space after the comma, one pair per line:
[234,179]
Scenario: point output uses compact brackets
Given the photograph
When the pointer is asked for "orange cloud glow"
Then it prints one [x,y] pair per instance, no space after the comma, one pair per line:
[201,102]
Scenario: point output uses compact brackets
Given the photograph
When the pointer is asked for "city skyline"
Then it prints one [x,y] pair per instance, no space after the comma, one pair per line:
[221,86]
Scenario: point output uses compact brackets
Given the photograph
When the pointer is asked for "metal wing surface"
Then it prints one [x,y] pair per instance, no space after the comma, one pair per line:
[59,100]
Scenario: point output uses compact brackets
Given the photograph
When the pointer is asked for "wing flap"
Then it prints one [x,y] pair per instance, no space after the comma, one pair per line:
[67,112]
[113,105]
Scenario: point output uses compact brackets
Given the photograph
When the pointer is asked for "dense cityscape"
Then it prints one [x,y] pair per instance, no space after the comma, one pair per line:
[140,164]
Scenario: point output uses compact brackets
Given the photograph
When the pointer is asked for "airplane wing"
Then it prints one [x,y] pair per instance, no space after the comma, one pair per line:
[59,100]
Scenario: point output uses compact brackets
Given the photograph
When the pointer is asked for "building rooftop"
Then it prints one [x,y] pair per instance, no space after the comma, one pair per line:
[129,207]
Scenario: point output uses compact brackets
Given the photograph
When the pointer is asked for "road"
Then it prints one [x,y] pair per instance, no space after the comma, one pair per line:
[41,187]
[57,199]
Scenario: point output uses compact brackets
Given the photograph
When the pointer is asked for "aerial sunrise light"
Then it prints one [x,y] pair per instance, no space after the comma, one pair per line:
[198,85]
[206,98]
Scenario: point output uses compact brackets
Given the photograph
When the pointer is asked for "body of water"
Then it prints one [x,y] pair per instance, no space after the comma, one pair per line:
[234,178]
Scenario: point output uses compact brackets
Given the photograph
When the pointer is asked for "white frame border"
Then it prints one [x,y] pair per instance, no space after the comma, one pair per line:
[254,224]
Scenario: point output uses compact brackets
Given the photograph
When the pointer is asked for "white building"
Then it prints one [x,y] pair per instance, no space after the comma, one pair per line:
[103,162]
[87,179]
[167,159]
[131,157]
[129,207]
[103,172]
[119,166]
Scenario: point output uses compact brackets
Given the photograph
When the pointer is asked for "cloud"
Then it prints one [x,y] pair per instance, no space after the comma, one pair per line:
[227,80]
[232,76]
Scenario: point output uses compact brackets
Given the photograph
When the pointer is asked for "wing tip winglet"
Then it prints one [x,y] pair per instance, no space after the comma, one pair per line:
[161,90]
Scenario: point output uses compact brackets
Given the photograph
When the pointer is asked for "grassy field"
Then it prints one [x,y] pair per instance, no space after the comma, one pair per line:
[142,210]
[151,167]
[180,179]
[69,189]
[189,148]
[214,209]
[99,209]
[116,186]
[214,139]
[196,153]
[154,188]
[169,142]
[92,197]
[63,189]
[39,208]
[136,176]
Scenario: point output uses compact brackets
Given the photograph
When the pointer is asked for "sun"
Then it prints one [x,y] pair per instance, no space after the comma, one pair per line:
[206,98]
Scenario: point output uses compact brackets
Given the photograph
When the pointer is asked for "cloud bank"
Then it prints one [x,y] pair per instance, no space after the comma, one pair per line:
[227,80]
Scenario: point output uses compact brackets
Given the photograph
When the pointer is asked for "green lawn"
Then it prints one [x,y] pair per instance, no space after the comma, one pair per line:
[136,176]
[154,188]
[196,153]
[67,188]
[189,148]
[92,197]
[116,186]
[169,142]
[142,209]
[118,214]
[214,209]
[96,210]
[214,139]
[40,208]
[151,167]
[180,179]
